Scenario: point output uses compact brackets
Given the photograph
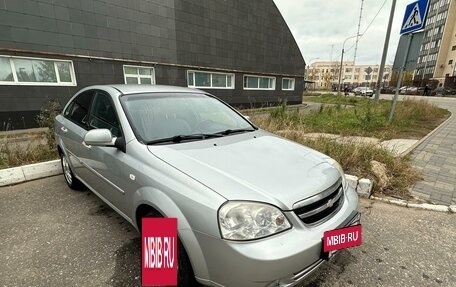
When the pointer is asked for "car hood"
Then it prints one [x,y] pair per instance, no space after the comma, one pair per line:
[255,166]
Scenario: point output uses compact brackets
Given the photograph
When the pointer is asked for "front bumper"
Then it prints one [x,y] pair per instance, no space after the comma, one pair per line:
[284,259]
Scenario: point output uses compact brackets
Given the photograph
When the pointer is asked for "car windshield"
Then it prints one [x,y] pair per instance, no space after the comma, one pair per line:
[174,117]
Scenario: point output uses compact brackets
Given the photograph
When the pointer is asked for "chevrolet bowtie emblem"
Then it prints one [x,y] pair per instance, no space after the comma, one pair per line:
[330,203]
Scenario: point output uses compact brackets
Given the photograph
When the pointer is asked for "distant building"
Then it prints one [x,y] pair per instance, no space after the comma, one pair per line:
[325,74]
[437,50]
[240,51]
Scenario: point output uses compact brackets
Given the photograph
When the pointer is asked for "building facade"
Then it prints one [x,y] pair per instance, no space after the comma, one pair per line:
[325,74]
[437,54]
[240,51]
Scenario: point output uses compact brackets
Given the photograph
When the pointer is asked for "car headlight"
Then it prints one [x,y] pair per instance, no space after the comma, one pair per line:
[243,220]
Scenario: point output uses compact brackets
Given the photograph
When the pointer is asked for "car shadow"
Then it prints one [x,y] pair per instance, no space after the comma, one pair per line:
[127,270]
[331,270]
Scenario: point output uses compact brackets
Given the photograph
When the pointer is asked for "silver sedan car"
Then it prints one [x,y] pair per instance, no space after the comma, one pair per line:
[364,91]
[252,207]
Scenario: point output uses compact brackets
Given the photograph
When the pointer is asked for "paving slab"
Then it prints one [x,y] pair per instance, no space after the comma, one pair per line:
[436,157]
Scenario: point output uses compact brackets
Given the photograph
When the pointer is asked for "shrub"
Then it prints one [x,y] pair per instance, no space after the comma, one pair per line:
[45,119]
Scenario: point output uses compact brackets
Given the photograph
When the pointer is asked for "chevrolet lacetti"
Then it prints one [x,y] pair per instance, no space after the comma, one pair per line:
[252,208]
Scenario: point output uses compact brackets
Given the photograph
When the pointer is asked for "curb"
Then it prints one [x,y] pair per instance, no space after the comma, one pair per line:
[29,172]
[364,186]
[407,151]
[404,203]
[424,206]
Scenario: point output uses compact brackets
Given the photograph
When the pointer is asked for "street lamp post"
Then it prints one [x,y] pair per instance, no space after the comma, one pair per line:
[305,72]
[342,60]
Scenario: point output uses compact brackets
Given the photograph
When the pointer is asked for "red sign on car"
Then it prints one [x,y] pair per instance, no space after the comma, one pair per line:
[342,238]
[159,252]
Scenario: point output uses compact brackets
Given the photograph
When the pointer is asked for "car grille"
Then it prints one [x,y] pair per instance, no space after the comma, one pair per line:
[320,207]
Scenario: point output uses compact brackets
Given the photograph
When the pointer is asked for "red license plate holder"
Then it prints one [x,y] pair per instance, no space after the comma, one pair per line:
[342,238]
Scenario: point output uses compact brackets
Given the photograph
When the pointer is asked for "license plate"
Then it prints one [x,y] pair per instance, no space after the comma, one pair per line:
[342,238]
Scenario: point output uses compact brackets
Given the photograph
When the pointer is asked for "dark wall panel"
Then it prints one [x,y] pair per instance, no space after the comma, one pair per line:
[229,35]
[242,35]
[64,26]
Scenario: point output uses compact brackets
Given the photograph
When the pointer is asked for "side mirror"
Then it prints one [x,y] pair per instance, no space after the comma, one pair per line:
[99,137]
[103,137]
[246,117]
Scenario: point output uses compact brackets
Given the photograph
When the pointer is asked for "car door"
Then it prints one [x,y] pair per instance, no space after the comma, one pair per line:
[104,164]
[72,128]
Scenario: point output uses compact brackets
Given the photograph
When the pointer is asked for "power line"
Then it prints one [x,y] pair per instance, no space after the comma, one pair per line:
[378,12]
[367,28]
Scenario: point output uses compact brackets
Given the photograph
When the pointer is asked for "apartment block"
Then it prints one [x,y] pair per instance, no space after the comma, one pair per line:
[325,74]
[437,55]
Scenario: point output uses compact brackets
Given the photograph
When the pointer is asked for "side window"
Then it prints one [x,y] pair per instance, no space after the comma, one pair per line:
[103,115]
[78,110]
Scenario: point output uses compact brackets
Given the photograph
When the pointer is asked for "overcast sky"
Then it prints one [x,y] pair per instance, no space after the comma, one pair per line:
[318,24]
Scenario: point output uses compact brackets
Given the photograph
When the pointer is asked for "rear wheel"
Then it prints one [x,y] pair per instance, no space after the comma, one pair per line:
[185,275]
[70,179]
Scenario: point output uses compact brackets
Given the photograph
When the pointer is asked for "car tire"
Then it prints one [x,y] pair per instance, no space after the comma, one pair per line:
[185,274]
[68,174]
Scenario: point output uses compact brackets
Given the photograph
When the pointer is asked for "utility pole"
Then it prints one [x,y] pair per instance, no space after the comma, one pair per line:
[385,52]
[359,26]
[342,61]
[331,66]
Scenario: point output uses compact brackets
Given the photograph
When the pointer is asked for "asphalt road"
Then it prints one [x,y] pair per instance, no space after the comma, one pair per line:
[52,236]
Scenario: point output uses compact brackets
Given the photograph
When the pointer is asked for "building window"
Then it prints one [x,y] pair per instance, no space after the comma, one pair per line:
[36,71]
[198,79]
[259,82]
[288,84]
[139,75]
[450,62]
[348,70]
[453,48]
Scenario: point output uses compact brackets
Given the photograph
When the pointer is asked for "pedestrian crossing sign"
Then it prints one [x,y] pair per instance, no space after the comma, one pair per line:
[415,16]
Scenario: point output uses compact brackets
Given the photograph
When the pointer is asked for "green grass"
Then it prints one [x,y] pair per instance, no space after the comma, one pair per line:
[356,159]
[332,99]
[12,155]
[359,117]
[349,116]
[20,148]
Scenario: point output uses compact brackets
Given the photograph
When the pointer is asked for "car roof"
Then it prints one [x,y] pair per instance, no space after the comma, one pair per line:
[128,89]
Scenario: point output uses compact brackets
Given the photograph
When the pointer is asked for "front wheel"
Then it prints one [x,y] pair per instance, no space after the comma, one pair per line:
[185,275]
[70,179]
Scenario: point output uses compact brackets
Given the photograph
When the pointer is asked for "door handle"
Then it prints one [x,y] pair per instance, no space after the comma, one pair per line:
[86,145]
[64,129]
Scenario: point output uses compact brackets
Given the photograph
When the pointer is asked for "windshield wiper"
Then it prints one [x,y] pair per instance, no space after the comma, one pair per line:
[180,138]
[234,131]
